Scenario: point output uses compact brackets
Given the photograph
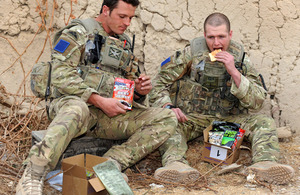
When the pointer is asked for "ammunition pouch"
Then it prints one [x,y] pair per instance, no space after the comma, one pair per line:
[191,96]
[115,60]
[114,55]
[101,81]
[213,75]
[109,53]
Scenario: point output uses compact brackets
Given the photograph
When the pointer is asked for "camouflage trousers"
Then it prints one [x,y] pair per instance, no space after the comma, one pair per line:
[144,129]
[260,131]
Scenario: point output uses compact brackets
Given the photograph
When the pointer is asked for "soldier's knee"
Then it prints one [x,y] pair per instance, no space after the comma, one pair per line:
[265,121]
[75,105]
[169,113]
[171,118]
[163,117]
[81,108]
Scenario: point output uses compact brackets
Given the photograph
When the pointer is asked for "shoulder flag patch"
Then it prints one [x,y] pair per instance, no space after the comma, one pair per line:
[166,61]
[61,46]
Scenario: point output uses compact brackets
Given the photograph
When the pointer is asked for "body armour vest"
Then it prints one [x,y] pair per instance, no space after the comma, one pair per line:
[104,58]
[206,89]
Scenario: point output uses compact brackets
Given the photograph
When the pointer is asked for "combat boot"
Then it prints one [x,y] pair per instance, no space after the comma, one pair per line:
[177,172]
[32,181]
[271,172]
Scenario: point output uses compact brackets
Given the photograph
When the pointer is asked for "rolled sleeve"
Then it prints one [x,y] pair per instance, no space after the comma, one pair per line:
[87,93]
[162,101]
[240,92]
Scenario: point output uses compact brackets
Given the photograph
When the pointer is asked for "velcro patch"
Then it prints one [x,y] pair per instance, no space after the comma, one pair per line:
[114,53]
[61,46]
[166,61]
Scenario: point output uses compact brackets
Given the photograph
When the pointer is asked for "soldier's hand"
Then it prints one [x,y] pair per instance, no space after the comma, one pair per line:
[110,106]
[143,84]
[180,115]
[228,61]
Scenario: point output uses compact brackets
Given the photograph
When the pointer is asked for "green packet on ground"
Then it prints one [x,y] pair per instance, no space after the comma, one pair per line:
[112,178]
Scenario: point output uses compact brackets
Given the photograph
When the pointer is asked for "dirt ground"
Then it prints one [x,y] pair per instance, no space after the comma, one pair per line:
[142,182]
[235,182]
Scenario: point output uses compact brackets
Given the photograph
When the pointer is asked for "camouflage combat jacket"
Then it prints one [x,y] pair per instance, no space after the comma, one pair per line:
[184,80]
[73,75]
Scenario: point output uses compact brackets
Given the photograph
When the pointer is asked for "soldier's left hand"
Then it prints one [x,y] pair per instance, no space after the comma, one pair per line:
[143,84]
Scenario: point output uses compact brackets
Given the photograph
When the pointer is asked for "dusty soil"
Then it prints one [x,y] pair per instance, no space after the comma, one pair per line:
[142,182]
[235,182]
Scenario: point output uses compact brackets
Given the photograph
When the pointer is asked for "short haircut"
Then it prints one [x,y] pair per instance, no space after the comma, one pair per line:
[112,4]
[217,19]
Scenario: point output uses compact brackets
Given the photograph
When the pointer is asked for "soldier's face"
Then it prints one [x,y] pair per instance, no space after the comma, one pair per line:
[117,20]
[217,37]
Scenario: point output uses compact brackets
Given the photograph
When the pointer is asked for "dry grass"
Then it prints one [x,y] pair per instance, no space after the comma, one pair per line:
[15,136]
[19,113]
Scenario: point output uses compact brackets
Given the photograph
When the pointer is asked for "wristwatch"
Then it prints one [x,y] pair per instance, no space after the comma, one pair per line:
[140,95]
[169,106]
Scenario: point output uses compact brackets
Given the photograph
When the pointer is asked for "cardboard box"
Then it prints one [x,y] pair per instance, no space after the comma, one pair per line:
[75,180]
[216,154]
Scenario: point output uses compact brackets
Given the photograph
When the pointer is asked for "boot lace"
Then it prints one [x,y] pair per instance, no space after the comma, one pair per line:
[34,181]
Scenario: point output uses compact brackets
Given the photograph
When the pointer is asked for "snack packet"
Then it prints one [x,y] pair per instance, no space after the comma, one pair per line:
[124,91]
[227,142]
[238,137]
[215,137]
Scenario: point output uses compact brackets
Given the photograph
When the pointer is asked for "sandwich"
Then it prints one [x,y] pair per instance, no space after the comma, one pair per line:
[213,54]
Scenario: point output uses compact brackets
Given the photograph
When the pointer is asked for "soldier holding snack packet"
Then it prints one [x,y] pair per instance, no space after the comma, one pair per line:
[212,79]
[88,56]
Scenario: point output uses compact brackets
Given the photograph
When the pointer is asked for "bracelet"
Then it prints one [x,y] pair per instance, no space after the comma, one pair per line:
[140,95]
[169,106]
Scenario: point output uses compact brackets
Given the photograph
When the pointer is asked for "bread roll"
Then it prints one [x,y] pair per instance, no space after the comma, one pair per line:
[213,54]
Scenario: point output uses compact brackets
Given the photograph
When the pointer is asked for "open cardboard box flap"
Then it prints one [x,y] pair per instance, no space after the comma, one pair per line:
[97,184]
[75,179]
[74,166]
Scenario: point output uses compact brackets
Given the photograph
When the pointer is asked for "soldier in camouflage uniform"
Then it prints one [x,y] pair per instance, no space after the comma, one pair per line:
[82,96]
[200,91]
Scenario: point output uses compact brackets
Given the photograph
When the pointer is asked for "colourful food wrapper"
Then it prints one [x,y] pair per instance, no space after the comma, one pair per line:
[239,136]
[124,91]
[215,137]
[228,141]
